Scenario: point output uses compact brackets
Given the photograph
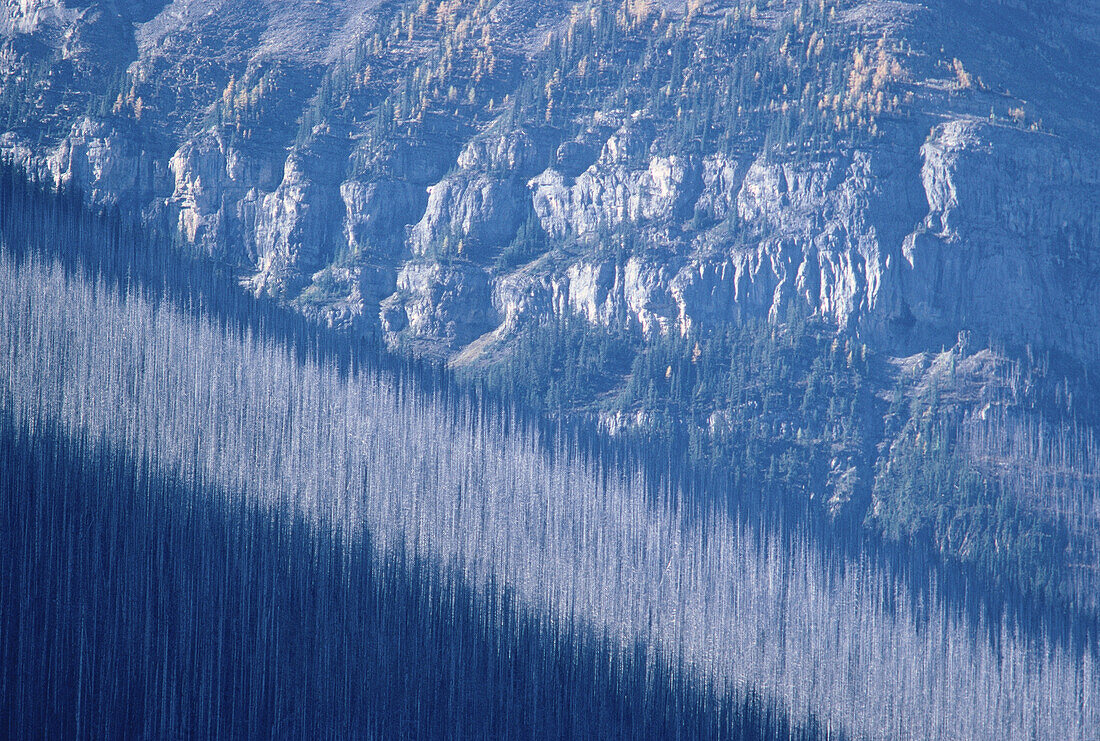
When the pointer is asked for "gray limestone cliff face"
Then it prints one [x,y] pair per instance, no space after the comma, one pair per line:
[484,199]
[470,218]
[31,16]
[443,306]
[216,199]
[1008,244]
[474,215]
[111,165]
[376,213]
[984,227]
[625,186]
[943,223]
[298,227]
[782,233]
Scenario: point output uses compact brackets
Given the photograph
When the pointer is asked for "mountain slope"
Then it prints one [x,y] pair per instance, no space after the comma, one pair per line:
[216,526]
[585,204]
[838,156]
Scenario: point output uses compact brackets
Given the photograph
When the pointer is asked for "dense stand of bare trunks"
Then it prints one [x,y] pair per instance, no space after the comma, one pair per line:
[436,482]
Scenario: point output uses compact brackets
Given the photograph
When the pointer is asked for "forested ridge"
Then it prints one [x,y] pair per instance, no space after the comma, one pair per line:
[301,540]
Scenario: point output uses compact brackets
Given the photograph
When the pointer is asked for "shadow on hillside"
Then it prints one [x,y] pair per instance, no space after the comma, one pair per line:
[135,606]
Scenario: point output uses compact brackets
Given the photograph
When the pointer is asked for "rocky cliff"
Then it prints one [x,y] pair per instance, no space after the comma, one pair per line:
[959,209]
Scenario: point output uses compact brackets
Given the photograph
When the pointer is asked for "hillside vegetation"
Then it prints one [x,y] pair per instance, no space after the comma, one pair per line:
[214,529]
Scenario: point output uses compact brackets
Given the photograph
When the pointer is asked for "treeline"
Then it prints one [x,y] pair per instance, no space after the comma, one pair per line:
[792,421]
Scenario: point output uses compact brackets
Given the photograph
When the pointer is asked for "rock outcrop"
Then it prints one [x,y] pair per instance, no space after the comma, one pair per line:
[215,196]
[112,166]
[624,187]
[1008,245]
[475,219]
[443,305]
